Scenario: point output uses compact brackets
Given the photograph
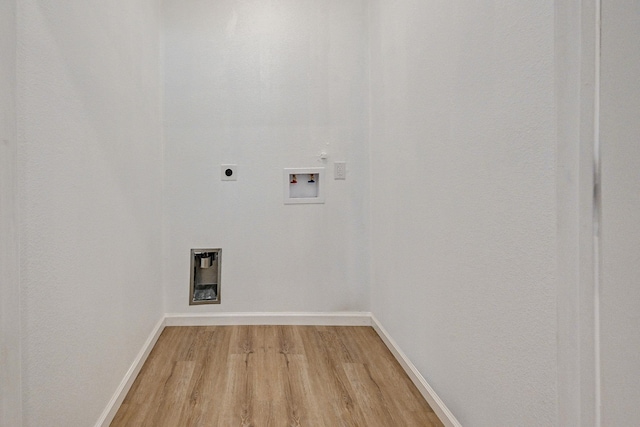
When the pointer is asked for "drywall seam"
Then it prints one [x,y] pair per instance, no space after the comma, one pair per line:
[597,214]
[370,38]
[163,158]
[438,406]
[285,318]
[125,385]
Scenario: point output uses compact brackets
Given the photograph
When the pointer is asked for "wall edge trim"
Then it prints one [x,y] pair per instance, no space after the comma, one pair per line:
[270,318]
[125,385]
[438,406]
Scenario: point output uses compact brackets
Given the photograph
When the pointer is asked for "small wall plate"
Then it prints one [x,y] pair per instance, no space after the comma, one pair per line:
[303,185]
[229,172]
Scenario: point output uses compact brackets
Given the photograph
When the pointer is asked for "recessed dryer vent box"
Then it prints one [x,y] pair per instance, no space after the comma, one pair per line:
[205,276]
[303,185]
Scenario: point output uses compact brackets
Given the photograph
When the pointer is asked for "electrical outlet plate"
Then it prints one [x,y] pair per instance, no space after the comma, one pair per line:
[340,170]
[229,172]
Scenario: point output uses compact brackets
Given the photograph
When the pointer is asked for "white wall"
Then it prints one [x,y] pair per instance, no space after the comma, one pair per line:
[266,85]
[575,54]
[463,201]
[473,208]
[620,142]
[10,395]
[90,179]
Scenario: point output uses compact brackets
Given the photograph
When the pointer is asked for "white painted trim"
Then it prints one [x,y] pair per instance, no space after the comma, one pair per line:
[121,392]
[267,318]
[438,406]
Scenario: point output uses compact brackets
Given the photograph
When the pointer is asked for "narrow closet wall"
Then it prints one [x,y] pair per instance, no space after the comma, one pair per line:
[620,231]
[463,201]
[266,85]
[89,187]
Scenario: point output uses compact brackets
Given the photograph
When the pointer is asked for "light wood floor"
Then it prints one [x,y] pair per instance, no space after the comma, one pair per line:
[273,376]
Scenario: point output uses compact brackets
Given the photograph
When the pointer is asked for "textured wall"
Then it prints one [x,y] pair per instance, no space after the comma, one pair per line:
[266,85]
[463,202]
[90,161]
[575,76]
[620,139]
[10,395]
[462,173]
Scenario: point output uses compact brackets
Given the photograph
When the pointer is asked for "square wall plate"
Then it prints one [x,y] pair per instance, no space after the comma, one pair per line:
[304,185]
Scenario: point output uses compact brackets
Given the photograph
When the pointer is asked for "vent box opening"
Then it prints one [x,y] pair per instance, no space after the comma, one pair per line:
[204,287]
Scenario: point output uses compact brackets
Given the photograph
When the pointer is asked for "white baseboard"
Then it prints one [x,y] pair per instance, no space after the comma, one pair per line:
[311,319]
[121,392]
[438,406]
[287,318]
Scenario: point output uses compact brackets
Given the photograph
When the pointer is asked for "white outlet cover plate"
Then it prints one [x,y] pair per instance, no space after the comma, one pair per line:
[340,170]
[234,172]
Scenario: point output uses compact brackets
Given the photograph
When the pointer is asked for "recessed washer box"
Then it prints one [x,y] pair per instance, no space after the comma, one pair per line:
[304,185]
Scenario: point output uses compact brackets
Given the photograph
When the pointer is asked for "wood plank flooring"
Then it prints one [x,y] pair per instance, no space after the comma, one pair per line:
[255,376]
